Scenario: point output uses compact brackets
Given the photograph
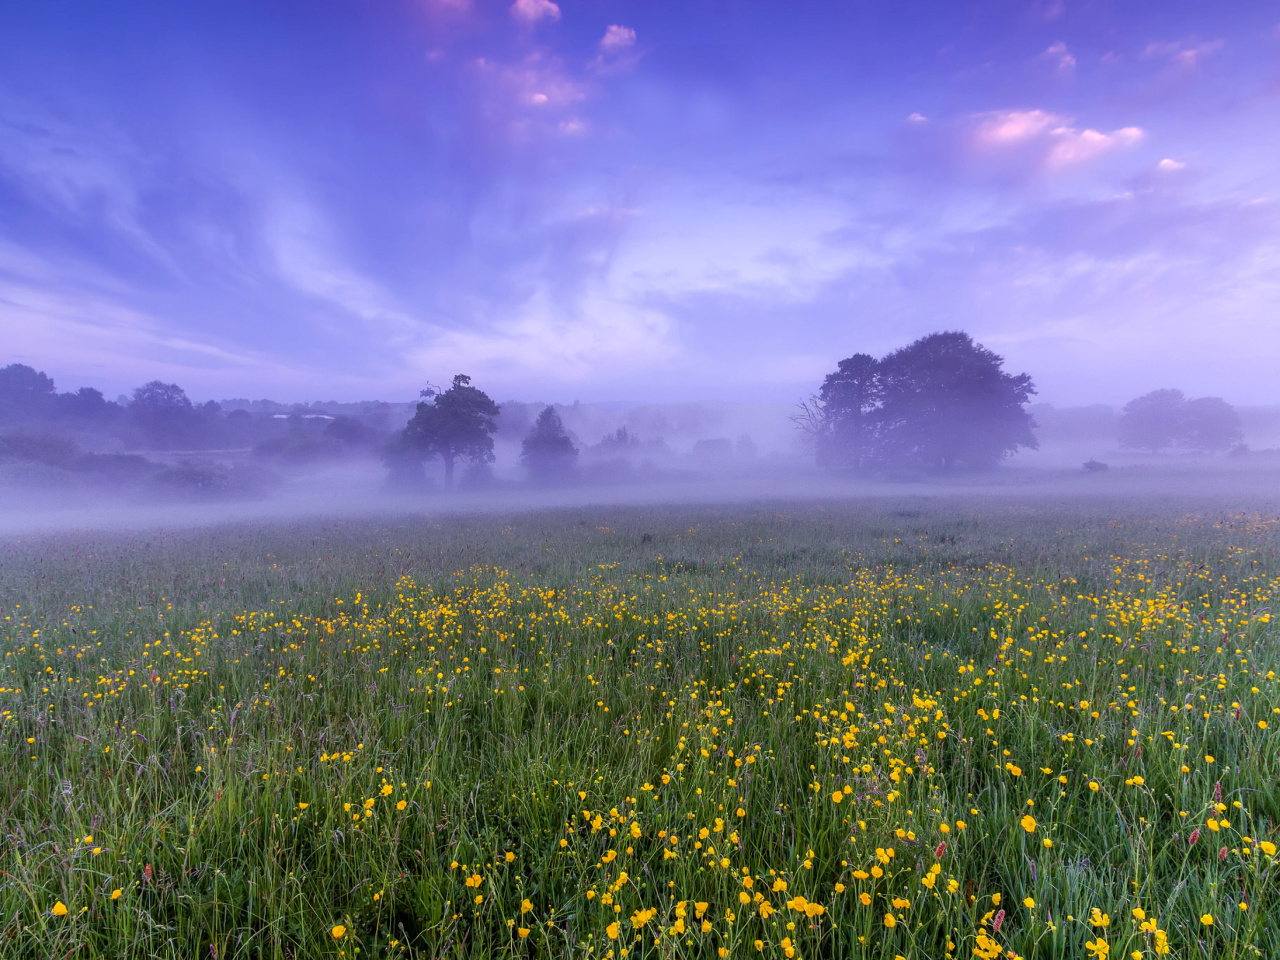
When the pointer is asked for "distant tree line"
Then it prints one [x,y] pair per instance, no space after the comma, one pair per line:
[1166,418]
[940,404]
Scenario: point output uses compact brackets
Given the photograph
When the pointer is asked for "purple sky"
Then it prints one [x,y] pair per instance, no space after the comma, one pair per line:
[638,200]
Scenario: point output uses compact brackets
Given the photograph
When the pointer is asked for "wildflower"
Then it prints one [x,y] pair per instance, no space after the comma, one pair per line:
[509,857]
[865,899]
[338,931]
[404,803]
[611,930]
[59,909]
[1267,847]
[1029,823]
[524,932]
[1029,903]
[1098,949]
[525,906]
[116,893]
[890,921]
[1207,919]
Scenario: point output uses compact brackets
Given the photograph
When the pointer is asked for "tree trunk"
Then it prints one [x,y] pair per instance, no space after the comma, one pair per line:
[448,472]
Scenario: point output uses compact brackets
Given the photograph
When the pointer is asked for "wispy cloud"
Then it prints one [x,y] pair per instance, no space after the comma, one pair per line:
[1060,57]
[531,11]
[617,38]
[1051,139]
[1184,54]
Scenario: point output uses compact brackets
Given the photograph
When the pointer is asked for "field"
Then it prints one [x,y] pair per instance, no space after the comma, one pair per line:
[913,729]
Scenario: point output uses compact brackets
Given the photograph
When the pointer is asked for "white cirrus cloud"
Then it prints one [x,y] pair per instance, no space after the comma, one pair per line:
[531,11]
[617,38]
[1051,136]
[1169,164]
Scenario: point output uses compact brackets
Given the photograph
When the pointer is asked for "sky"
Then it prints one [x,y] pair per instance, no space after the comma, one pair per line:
[638,201]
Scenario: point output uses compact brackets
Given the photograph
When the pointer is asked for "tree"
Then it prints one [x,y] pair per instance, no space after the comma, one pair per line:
[25,393]
[457,424]
[945,402]
[86,405]
[164,414]
[941,403]
[1152,421]
[848,399]
[547,450]
[1210,425]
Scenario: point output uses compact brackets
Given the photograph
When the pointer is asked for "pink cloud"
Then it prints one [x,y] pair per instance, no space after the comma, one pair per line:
[1060,57]
[617,38]
[1185,54]
[1049,137]
[531,11]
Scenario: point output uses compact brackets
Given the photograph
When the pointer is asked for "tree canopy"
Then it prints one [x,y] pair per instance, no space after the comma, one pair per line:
[547,451]
[941,403]
[455,424]
[1165,418]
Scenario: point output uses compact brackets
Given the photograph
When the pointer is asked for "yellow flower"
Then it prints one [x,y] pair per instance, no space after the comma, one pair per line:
[338,931]
[1207,919]
[1095,787]
[116,893]
[508,856]
[890,921]
[59,909]
[402,804]
[1098,948]
[865,899]
[1029,903]
[525,906]
[386,789]
[1029,823]
[1267,847]
[524,932]
[611,930]
[1139,913]
[303,806]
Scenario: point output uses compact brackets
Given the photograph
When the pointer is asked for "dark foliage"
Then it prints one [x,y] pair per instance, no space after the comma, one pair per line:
[456,424]
[547,451]
[940,404]
[25,394]
[1165,418]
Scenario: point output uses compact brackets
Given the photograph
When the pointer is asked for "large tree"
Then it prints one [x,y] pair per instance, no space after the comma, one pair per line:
[25,393]
[1152,421]
[941,403]
[547,450]
[1166,418]
[847,399]
[1210,425]
[165,415]
[454,424]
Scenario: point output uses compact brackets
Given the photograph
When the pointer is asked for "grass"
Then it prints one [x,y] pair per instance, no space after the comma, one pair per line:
[918,729]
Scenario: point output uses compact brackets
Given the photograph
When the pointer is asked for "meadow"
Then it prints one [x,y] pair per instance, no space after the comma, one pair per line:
[886,729]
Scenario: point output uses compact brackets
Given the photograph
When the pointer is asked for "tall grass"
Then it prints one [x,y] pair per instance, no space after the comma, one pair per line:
[893,730]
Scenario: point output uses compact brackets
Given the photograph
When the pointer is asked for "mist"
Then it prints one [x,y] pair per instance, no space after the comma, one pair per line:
[72,461]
